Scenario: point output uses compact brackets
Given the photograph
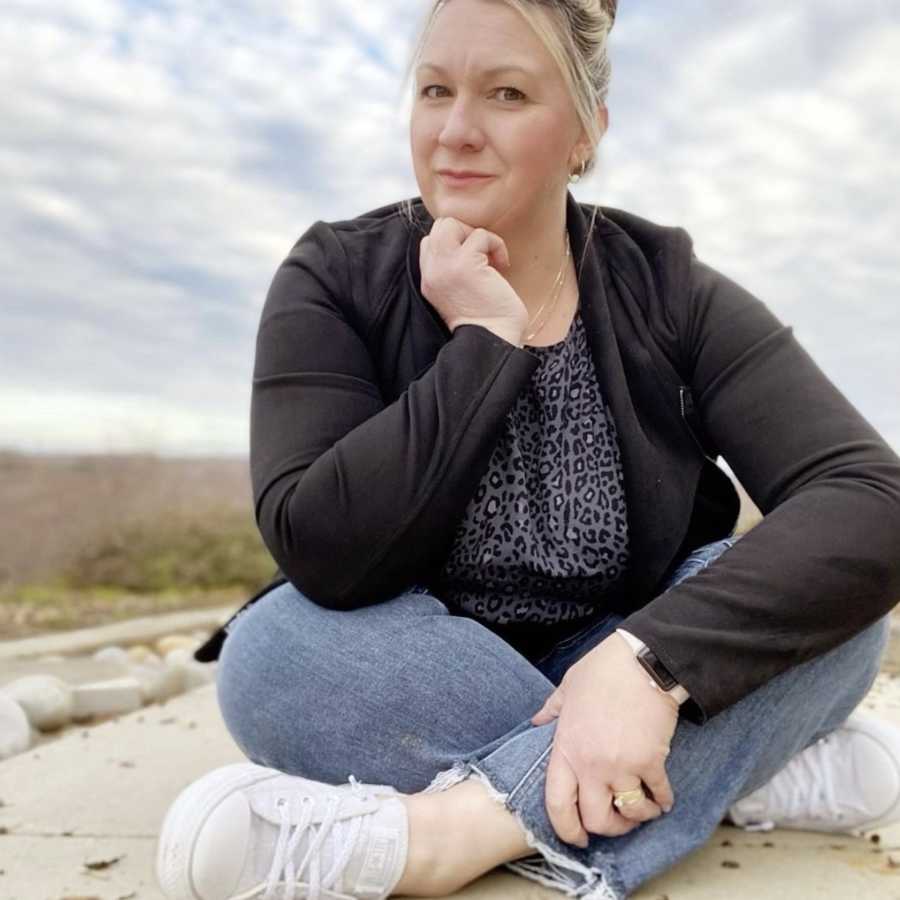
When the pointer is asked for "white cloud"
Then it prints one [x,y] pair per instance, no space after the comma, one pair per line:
[159,160]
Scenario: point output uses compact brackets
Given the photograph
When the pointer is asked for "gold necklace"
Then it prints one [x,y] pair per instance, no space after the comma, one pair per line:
[558,285]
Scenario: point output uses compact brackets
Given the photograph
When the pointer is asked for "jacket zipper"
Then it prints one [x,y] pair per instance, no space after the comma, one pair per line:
[689,414]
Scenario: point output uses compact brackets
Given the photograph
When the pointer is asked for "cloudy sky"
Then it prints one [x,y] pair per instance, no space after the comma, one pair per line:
[158,160]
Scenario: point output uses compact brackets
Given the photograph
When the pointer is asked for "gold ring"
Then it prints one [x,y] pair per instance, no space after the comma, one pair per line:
[627,798]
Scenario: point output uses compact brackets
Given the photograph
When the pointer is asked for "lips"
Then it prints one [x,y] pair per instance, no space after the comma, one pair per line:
[463,181]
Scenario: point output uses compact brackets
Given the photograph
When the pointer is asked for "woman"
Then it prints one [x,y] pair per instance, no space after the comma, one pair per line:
[513,614]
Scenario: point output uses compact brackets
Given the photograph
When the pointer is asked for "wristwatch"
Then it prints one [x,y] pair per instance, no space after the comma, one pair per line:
[657,671]
[660,675]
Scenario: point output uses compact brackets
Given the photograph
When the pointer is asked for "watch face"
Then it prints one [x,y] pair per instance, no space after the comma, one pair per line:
[660,674]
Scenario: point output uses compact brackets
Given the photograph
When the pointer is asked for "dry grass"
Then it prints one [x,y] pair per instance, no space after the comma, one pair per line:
[53,509]
[88,539]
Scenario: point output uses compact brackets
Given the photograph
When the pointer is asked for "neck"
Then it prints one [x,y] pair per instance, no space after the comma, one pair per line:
[536,253]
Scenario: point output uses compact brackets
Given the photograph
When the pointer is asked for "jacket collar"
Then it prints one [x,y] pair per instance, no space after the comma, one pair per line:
[660,469]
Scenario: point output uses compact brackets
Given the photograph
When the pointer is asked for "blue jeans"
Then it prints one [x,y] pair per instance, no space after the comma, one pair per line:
[407,694]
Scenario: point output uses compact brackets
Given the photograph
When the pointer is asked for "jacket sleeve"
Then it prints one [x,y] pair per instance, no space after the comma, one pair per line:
[355,498]
[824,562]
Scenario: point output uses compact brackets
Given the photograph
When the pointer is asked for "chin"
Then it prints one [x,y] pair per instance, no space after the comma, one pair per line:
[470,211]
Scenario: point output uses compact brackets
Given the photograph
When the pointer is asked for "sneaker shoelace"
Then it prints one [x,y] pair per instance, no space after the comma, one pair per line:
[792,797]
[296,815]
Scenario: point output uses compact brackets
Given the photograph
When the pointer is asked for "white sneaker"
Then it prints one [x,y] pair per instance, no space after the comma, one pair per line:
[847,782]
[245,831]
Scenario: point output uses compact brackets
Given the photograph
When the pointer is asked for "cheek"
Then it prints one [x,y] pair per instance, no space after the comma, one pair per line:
[421,142]
[537,147]
[425,135]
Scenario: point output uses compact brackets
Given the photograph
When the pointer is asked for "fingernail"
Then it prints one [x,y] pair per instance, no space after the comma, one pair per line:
[667,808]
[583,842]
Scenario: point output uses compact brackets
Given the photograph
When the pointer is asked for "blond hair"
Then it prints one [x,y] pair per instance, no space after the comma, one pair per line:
[575,34]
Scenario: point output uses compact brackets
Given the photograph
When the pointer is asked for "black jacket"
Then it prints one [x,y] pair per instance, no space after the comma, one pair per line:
[372,424]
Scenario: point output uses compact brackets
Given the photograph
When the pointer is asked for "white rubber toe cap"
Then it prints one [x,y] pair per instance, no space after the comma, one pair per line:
[220,853]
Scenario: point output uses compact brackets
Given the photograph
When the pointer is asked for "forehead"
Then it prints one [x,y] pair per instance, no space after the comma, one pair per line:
[484,71]
[484,38]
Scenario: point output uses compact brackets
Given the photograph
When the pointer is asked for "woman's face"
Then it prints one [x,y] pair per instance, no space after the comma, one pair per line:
[520,128]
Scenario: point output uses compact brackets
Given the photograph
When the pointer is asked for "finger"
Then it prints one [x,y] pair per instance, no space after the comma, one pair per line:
[599,815]
[658,782]
[561,800]
[617,824]
[491,245]
[501,257]
[641,811]
[551,708]
[450,230]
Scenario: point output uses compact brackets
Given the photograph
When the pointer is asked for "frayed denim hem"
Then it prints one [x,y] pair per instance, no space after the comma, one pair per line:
[548,867]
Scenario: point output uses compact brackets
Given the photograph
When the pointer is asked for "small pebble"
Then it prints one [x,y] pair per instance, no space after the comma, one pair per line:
[113,653]
[140,653]
[730,864]
[176,642]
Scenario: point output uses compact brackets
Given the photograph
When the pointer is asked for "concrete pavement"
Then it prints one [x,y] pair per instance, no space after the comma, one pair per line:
[79,817]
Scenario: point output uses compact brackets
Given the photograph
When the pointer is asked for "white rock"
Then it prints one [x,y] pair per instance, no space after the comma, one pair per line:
[175,641]
[106,698]
[46,699]
[139,653]
[159,682]
[15,732]
[179,656]
[196,674]
[154,661]
[113,653]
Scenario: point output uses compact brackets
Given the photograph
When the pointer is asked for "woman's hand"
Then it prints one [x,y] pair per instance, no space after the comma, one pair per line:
[460,278]
[613,732]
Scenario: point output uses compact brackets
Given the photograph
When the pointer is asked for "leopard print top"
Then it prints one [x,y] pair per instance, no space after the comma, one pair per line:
[544,538]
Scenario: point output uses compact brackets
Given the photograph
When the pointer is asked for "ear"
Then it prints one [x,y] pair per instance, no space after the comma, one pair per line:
[584,148]
[603,118]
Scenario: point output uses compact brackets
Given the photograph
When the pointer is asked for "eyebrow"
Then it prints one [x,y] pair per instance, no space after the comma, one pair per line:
[494,70]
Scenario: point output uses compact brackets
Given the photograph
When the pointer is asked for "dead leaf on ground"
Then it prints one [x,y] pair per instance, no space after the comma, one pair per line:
[96,865]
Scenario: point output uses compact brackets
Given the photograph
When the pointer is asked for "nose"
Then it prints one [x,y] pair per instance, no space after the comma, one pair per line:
[460,127]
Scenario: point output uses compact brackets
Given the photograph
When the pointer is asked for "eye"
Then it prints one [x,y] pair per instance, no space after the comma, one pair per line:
[427,88]
[514,90]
